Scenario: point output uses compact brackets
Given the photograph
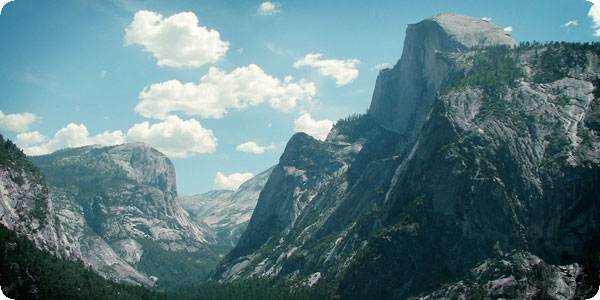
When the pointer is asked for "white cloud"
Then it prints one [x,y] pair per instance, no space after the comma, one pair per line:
[2,3]
[344,71]
[174,137]
[487,19]
[253,147]
[16,122]
[317,129]
[218,91]
[72,135]
[176,41]
[508,29]
[231,182]
[571,23]
[102,74]
[594,13]
[268,8]
[29,138]
[382,66]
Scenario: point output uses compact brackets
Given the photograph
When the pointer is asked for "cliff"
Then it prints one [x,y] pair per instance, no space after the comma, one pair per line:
[471,145]
[119,212]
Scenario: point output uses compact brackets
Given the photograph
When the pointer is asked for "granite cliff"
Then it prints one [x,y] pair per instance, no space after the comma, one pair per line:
[471,146]
[119,212]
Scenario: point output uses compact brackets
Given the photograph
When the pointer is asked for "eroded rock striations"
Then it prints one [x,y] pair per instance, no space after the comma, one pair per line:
[117,210]
[471,145]
[225,212]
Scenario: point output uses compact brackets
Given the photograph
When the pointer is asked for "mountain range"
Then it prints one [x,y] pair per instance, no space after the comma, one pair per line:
[473,175]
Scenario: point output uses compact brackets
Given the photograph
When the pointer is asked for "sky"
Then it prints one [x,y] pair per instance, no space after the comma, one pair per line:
[219,86]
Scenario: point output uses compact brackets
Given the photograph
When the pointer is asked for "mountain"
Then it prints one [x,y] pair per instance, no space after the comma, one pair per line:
[118,210]
[471,146]
[226,213]
[36,261]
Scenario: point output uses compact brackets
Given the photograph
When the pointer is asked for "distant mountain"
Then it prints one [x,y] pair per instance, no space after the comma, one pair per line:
[226,213]
[119,212]
[471,147]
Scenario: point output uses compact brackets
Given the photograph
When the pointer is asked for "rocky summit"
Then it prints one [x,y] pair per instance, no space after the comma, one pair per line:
[404,94]
[118,211]
[472,147]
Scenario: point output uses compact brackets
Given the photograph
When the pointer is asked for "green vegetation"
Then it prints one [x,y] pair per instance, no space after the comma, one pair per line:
[175,269]
[257,288]
[554,60]
[493,69]
[29,273]
[12,157]
[354,126]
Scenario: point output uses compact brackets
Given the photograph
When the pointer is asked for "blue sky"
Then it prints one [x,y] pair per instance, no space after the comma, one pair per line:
[219,86]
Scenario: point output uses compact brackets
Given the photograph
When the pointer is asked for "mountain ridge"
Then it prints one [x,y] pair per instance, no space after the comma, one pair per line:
[120,206]
[481,155]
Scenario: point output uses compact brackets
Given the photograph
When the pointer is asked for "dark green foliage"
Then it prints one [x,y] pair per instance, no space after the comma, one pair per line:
[554,60]
[175,269]
[29,273]
[591,273]
[354,126]
[493,68]
[257,288]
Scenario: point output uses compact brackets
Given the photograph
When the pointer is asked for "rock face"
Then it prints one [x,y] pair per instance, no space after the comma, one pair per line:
[516,275]
[470,146]
[119,212]
[226,213]
[404,94]
[25,206]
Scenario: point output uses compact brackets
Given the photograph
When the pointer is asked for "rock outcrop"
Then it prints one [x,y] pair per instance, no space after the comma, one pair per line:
[25,206]
[516,275]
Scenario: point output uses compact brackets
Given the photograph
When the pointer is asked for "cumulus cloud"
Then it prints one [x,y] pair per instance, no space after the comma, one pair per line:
[2,3]
[29,138]
[508,29]
[72,135]
[594,13]
[231,182]
[253,147]
[176,41]
[174,137]
[218,91]
[268,8]
[344,71]
[16,122]
[317,129]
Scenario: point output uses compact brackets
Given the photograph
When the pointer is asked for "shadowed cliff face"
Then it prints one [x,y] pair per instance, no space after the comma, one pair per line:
[470,145]
[404,94]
